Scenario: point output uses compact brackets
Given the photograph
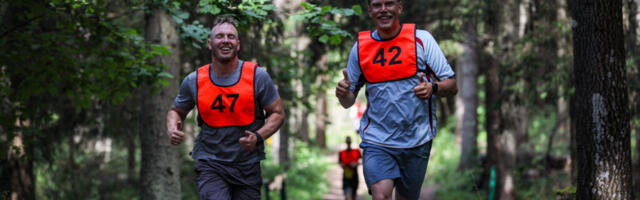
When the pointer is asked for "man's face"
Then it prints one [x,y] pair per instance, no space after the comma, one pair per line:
[224,43]
[384,12]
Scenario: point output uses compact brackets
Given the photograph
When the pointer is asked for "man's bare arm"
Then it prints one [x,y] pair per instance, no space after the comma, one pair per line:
[175,118]
[447,87]
[275,113]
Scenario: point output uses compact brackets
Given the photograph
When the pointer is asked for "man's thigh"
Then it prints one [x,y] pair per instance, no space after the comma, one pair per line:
[378,164]
[219,181]
[249,192]
[211,184]
[413,169]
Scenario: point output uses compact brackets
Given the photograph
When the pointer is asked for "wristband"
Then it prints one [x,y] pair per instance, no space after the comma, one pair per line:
[259,138]
[434,87]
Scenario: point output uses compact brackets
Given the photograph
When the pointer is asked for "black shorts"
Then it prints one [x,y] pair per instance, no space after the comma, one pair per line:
[350,185]
[218,180]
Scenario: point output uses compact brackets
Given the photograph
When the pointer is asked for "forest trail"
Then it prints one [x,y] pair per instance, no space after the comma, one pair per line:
[334,176]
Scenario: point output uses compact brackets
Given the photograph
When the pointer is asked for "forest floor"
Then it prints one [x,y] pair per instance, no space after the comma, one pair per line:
[334,176]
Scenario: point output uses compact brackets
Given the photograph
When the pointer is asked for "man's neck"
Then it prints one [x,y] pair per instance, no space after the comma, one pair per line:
[224,68]
[389,33]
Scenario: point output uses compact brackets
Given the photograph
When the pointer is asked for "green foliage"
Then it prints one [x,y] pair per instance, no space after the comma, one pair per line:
[320,24]
[70,52]
[568,193]
[305,179]
[541,187]
[246,11]
[76,174]
[451,184]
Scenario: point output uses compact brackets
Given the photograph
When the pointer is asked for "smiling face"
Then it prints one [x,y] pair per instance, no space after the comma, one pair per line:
[385,13]
[224,43]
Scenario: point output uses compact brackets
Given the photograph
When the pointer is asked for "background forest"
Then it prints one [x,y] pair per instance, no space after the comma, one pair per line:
[85,86]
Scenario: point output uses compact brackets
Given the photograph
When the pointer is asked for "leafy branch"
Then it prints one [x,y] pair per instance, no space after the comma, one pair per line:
[320,23]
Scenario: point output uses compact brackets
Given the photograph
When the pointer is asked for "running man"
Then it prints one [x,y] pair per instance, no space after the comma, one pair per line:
[232,96]
[399,124]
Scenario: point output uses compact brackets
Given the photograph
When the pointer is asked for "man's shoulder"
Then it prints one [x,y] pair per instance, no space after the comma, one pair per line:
[261,73]
[192,76]
[424,34]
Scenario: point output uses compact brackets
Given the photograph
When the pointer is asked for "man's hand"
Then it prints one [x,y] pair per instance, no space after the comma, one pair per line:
[176,137]
[174,125]
[423,90]
[176,134]
[248,141]
[342,90]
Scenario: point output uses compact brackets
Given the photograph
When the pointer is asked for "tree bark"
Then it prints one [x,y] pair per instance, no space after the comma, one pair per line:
[467,123]
[159,170]
[321,121]
[21,169]
[131,160]
[283,141]
[492,125]
[604,152]
[304,125]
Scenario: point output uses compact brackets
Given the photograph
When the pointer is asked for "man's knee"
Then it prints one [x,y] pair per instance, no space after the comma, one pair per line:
[381,195]
[382,189]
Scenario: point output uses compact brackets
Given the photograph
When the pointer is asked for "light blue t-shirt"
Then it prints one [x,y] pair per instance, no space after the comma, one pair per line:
[395,117]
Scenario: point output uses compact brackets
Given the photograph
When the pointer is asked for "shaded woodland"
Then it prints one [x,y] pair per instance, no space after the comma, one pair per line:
[548,104]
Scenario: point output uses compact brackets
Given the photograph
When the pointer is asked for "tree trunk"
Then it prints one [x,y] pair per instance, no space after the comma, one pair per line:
[131,160]
[304,125]
[468,124]
[634,44]
[321,121]
[21,169]
[283,141]
[604,152]
[492,125]
[159,170]
[503,28]
[512,124]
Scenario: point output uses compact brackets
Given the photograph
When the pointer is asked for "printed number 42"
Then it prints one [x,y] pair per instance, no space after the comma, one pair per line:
[380,56]
[217,104]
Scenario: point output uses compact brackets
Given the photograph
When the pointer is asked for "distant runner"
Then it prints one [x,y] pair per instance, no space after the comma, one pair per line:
[348,160]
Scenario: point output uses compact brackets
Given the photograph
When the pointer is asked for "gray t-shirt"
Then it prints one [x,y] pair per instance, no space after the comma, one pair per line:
[222,144]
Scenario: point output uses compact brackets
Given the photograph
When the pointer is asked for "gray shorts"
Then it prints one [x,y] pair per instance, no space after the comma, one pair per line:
[406,167]
[223,181]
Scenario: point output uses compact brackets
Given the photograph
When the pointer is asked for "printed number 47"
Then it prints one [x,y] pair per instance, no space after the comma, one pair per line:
[217,104]
[380,56]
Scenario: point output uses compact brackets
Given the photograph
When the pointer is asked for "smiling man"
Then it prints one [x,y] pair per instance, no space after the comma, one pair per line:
[399,123]
[232,96]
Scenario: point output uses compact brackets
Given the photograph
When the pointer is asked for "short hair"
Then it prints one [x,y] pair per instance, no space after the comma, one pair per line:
[225,19]
[222,20]
[369,1]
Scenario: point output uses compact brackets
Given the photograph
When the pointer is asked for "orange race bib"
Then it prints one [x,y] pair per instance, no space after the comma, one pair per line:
[222,106]
[387,60]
